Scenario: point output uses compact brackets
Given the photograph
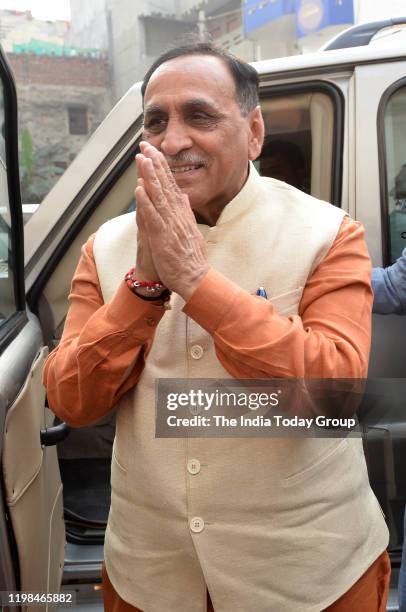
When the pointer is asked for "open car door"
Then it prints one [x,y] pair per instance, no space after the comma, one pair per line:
[32,531]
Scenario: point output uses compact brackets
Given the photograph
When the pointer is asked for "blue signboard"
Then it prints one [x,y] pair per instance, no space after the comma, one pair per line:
[311,15]
[257,13]
[314,15]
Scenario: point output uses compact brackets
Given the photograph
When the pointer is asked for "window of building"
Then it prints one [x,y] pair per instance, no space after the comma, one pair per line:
[302,142]
[77,116]
[395,170]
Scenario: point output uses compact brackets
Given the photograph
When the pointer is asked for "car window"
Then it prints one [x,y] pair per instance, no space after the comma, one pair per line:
[7,298]
[394,188]
[117,200]
[300,142]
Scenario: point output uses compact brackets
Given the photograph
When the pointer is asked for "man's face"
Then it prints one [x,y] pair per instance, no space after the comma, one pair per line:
[192,116]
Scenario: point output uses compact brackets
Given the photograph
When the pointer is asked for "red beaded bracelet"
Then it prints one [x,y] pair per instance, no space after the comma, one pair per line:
[130,277]
[155,289]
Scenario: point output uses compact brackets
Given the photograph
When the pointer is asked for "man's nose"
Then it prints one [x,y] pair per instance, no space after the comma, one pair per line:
[175,138]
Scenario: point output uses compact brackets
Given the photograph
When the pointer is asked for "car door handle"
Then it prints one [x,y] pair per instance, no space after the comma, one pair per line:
[53,435]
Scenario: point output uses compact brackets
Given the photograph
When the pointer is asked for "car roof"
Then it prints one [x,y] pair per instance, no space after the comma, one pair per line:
[380,49]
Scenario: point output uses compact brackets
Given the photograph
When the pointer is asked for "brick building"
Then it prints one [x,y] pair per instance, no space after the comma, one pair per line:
[61,101]
[63,94]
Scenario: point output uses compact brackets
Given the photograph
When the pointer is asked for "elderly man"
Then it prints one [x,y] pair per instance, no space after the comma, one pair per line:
[260,525]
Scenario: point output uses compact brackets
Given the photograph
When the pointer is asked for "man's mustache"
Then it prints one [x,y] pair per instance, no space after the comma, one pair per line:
[185,158]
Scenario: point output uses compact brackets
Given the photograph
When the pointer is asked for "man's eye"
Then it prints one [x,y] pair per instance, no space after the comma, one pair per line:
[201,117]
[155,124]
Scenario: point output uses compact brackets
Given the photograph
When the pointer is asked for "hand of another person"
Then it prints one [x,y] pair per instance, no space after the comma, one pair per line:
[177,246]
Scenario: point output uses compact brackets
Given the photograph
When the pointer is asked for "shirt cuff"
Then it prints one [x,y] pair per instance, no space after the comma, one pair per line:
[211,301]
[127,310]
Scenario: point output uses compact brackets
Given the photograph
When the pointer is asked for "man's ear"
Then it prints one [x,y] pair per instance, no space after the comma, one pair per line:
[256,134]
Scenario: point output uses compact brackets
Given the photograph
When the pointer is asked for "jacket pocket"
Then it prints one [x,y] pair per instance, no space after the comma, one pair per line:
[320,464]
[115,459]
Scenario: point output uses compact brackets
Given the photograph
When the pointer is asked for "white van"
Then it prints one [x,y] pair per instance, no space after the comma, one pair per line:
[339,119]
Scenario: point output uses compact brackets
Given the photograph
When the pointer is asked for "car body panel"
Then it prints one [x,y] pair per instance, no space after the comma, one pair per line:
[32,531]
[32,481]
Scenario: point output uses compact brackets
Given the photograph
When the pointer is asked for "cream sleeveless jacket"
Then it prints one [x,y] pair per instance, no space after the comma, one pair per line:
[269,525]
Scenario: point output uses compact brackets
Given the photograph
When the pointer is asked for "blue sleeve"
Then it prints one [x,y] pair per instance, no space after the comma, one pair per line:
[389,287]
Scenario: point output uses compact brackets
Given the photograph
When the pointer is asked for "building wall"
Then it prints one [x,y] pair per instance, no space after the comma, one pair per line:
[65,71]
[159,34]
[125,43]
[133,42]
[43,109]
[128,34]
[88,24]
[49,90]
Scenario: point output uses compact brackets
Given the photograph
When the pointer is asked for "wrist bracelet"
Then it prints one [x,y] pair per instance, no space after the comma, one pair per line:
[156,290]
[131,276]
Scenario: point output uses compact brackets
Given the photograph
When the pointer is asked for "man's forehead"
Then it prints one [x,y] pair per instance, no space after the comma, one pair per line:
[193,77]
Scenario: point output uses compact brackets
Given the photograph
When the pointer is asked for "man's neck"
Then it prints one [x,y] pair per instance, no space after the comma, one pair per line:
[205,220]
[210,215]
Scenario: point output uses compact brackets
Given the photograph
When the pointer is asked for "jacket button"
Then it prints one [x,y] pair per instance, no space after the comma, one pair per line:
[196,524]
[196,351]
[193,466]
